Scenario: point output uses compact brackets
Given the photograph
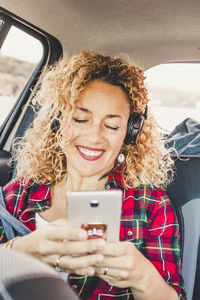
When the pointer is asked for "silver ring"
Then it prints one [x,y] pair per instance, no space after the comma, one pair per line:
[57,268]
[105,271]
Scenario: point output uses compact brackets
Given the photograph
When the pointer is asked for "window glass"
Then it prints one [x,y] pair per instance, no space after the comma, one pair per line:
[19,55]
[174,92]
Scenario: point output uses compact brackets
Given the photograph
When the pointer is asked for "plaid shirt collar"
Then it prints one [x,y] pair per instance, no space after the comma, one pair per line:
[42,192]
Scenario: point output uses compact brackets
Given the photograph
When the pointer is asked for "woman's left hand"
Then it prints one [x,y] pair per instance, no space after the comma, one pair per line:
[123,265]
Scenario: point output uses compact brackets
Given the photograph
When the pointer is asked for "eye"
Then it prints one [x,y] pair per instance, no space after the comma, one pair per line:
[79,120]
[112,127]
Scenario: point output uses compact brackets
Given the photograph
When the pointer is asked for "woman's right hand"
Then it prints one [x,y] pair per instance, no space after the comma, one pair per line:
[56,240]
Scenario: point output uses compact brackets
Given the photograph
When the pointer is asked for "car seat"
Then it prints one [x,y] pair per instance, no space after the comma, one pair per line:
[184,193]
[5,169]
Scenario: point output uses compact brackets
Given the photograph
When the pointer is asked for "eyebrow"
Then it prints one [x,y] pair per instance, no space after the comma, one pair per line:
[89,112]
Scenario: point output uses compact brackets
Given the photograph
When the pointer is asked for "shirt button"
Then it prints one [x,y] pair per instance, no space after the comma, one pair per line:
[108,187]
[130,232]
[74,286]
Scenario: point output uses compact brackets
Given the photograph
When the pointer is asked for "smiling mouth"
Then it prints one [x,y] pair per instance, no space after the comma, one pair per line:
[89,154]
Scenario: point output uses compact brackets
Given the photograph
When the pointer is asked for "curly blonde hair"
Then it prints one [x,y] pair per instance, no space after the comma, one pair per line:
[39,154]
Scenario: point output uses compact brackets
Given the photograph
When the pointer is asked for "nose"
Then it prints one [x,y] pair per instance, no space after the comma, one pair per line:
[95,133]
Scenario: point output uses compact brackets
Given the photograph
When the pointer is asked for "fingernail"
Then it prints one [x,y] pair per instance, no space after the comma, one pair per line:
[82,235]
[100,258]
[90,272]
[101,243]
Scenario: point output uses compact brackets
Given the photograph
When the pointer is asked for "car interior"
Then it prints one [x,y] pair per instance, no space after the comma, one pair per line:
[21,279]
[152,33]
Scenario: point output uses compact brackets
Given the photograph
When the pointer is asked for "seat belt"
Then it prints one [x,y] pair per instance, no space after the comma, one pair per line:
[9,221]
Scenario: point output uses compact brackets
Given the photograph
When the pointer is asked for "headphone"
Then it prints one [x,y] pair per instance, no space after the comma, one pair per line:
[134,126]
[55,124]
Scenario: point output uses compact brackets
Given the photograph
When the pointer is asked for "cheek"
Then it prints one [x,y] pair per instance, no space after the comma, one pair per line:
[117,143]
[65,140]
[68,133]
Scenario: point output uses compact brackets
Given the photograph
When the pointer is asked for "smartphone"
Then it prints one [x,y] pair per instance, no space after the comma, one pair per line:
[99,212]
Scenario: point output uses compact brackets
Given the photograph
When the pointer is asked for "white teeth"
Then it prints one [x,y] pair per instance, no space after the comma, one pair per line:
[89,152]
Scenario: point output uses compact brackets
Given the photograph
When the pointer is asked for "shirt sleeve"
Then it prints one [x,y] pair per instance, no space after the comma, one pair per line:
[3,238]
[162,247]
[12,192]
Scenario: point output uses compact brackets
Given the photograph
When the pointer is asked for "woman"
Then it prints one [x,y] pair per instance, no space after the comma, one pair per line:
[94,132]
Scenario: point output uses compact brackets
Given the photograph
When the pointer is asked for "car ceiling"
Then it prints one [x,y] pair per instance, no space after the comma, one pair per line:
[150,32]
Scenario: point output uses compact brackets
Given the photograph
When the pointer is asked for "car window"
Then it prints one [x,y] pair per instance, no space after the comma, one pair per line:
[25,50]
[19,55]
[174,93]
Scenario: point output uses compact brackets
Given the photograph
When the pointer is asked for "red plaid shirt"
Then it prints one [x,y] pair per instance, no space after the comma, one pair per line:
[148,220]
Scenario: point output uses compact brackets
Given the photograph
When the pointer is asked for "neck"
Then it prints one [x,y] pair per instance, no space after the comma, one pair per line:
[85,183]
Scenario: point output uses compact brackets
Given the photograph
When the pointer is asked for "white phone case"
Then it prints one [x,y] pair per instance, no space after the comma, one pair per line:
[96,207]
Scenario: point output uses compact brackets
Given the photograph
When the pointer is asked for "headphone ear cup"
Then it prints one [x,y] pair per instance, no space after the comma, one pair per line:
[55,125]
[134,126]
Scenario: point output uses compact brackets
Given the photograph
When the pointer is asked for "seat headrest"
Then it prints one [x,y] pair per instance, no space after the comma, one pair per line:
[185,186]
[5,169]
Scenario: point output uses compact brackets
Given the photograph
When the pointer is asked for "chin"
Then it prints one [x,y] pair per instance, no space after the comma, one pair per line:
[91,173]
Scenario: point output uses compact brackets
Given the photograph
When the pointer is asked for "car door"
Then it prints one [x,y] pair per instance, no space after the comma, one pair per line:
[25,50]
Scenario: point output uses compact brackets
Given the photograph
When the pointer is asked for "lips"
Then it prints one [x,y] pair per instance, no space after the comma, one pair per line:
[90,154]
